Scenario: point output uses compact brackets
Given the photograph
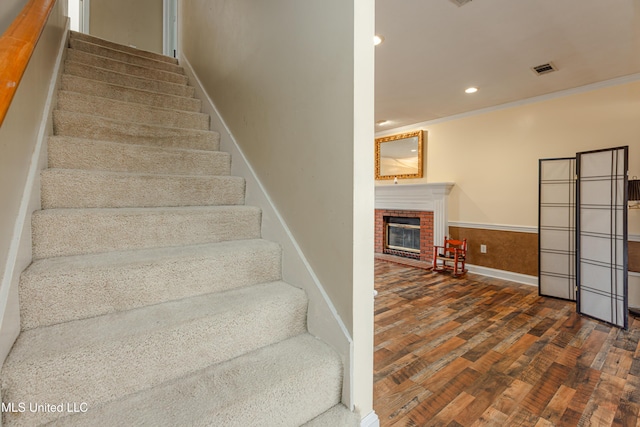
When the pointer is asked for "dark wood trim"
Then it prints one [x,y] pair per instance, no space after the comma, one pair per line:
[16,47]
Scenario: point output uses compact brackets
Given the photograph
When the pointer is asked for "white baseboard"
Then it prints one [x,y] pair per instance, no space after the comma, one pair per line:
[502,274]
[634,290]
[371,420]
[323,320]
[525,279]
[19,256]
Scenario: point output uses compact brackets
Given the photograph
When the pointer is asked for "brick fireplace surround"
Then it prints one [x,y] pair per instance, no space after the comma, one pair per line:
[426,231]
[429,202]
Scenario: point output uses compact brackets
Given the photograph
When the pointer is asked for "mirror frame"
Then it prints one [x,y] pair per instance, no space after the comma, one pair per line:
[396,137]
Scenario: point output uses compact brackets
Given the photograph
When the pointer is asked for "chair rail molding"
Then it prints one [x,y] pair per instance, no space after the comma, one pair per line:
[419,197]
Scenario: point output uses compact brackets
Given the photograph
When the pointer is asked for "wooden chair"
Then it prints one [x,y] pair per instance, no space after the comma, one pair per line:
[451,256]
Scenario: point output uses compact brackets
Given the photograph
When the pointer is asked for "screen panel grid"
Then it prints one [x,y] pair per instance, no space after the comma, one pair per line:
[556,228]
[602,224]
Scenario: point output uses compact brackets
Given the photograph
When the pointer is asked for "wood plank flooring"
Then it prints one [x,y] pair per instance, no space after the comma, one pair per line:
[477,351]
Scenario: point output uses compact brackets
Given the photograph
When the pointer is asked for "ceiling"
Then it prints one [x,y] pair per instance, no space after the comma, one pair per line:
[433,50]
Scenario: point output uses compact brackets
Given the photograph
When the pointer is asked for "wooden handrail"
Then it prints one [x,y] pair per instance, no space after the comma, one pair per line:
[16,47]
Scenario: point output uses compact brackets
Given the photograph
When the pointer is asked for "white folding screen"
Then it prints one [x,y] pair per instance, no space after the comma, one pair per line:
[602,235]
[556,228]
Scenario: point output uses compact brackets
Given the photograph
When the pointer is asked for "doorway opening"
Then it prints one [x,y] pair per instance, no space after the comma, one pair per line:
[78,11]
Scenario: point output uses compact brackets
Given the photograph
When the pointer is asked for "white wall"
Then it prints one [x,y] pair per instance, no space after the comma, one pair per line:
[21,137]
[73,7]
[363,208]
[284,77]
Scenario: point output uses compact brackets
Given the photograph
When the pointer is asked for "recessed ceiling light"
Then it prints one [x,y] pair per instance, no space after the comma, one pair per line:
[382,122]
[414,150]
[377,40]
[471,90]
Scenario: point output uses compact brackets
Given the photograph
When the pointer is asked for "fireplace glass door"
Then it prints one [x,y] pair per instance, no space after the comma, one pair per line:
[403,234]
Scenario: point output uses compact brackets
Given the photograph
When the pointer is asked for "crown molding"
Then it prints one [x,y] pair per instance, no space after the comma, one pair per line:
[549,96]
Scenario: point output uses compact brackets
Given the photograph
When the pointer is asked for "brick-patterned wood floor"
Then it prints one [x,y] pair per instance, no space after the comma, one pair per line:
[478,351]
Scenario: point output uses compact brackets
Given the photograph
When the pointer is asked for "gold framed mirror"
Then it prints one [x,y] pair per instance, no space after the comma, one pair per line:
[399,156]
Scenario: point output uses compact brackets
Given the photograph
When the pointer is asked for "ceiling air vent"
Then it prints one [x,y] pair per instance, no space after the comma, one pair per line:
[544,68]
[460,2]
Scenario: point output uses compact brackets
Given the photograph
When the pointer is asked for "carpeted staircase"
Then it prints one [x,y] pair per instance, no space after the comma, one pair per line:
[152,299]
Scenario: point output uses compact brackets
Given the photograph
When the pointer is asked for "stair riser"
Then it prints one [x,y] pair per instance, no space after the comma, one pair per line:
[297,399]
[128,365]
[89,72]
[61,188]
[124,111]
[76,232]
[91,127]
[125,68]
[125,94]
[49,296]
[71,153]
[282,383]
[81,37]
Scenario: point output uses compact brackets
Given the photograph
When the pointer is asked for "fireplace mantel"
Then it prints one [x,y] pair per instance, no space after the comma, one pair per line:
[419,197]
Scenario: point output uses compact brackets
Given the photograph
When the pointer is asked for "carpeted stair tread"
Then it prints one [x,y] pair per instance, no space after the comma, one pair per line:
[75,188]
[75,153]
[125,67]
[131,112]
[72,124]
[109,357]
[65,232]
[127,94]
[90,72]
[56,290]
[284,384]
[131,58]
[76,36]
[338,416]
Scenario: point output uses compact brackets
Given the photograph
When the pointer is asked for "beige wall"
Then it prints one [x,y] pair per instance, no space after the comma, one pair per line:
[137,23]
[9,9]
[493,157]
[19,139]
[282,76]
